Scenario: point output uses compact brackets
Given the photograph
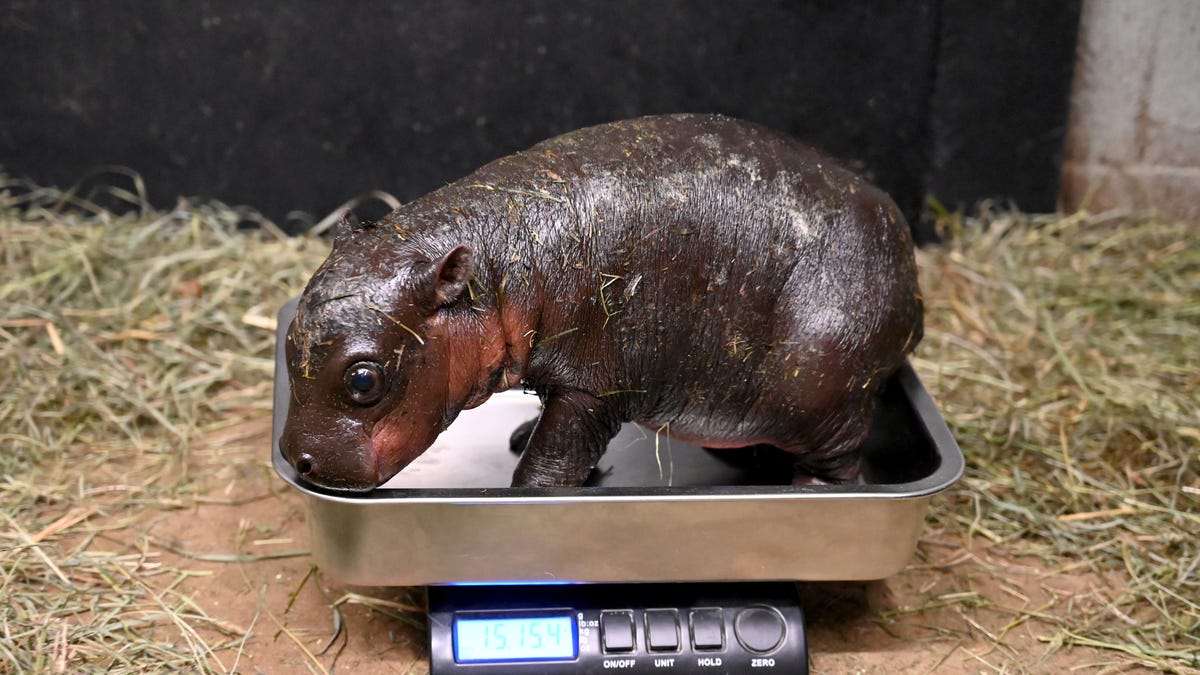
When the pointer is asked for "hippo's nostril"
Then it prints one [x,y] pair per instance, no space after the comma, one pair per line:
[304,465]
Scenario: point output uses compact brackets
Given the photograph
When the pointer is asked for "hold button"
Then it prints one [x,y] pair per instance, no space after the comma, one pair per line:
[708,629]
[759,629]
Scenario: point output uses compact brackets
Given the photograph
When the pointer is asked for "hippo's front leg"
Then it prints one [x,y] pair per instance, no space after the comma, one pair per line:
[569,438]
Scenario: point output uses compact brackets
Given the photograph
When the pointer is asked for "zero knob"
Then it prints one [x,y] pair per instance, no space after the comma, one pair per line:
[759,629]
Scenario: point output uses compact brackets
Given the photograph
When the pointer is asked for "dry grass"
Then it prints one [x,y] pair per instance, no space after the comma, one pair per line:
[123,341]
[1062,350]
[1065,353]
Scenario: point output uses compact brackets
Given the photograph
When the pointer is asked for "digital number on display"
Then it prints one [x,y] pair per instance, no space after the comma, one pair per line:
[534,638]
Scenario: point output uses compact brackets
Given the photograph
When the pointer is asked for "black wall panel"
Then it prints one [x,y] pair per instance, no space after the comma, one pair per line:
[300,105]
[998,115]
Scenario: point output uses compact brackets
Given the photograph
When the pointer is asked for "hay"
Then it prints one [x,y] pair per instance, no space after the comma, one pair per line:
[1062,350]
[123,340]
[1065,354]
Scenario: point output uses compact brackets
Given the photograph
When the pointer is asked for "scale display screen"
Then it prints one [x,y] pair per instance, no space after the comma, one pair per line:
[508,638]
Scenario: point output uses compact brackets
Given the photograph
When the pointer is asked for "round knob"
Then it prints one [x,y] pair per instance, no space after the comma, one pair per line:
[759,629]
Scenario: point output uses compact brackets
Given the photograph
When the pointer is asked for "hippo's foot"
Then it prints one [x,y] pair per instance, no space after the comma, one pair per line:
[520,436]
[804,479]
[841,469]
[836,458]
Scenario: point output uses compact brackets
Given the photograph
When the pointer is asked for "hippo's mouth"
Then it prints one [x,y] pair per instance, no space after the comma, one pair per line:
[341,487]
[393,451]
[309,472]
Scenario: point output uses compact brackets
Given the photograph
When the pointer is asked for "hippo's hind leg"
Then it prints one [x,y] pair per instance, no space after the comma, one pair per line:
[520,436]
[567,441]
[835,459]
[823,420]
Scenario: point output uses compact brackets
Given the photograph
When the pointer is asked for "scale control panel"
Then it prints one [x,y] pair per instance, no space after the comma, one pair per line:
[668,629]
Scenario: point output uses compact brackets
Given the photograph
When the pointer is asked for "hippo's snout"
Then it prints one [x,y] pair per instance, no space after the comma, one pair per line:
[329,463]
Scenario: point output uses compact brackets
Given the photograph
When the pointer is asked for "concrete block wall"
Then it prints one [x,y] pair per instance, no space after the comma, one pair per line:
[1134,133]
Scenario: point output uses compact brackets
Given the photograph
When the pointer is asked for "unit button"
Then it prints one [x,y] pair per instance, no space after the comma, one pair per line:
[662,630]
[708,629]
[759,629]
[616,631]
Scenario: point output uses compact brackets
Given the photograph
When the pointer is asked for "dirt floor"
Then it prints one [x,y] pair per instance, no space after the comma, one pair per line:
[960,606]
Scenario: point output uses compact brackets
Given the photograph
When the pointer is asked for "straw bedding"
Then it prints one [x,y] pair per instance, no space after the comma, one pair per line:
[1062,349]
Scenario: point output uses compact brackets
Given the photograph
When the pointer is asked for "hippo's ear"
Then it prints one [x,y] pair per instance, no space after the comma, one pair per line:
[346,227]
[448,277]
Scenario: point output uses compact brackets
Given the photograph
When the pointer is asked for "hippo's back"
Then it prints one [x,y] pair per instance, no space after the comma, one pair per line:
[712,259]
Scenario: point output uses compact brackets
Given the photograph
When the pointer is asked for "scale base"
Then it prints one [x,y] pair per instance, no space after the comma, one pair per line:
[677,628]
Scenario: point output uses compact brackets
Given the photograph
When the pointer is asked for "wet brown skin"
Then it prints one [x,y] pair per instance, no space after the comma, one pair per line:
[708,278]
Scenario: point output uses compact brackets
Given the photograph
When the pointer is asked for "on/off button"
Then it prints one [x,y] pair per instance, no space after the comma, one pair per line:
[759,629]
[616,631]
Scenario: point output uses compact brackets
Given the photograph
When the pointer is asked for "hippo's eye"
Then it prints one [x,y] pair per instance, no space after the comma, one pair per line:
[364,382]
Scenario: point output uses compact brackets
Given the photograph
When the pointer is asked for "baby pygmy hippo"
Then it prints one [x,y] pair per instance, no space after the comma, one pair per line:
[708,278]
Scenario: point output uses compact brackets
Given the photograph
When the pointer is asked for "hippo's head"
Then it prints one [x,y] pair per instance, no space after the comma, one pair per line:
[371,358]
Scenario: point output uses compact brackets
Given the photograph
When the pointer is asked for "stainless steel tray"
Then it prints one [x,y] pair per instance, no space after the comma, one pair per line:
[655,509]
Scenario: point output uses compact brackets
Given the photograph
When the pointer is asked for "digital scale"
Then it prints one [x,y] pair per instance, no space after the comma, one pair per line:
[672,559]
[628,628]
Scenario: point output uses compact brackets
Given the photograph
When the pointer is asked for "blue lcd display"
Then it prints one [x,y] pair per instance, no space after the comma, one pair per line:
[509,638]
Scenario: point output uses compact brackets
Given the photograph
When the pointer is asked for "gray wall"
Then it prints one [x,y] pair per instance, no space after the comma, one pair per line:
[1134,136]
